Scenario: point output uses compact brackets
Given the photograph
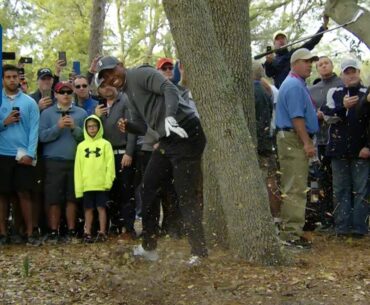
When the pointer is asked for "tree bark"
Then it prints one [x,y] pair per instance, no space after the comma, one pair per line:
[234,41]
[97,28]
[121,6]
[243,192]
[344,11]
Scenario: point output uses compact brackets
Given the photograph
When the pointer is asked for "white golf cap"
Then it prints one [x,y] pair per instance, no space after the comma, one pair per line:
[277,33]
[303,54]
[349,63]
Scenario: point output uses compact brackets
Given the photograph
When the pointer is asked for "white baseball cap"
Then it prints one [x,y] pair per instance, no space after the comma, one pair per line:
[277,33]
[349,63]
[303,54]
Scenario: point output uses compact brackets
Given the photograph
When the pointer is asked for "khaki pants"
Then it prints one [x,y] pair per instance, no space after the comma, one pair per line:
[294,169]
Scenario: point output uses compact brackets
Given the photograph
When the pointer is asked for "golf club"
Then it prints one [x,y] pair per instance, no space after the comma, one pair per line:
[354,19]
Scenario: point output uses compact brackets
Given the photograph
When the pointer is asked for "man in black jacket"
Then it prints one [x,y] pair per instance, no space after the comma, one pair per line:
[278,66]
[348,114]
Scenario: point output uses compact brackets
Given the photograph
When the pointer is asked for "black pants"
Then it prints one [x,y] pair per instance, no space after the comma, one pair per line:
[326,184]
[172,222]
[122,210]
[182,157]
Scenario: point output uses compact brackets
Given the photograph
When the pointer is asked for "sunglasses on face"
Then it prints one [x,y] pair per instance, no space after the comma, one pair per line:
[68,92]
[170,68]
[81,86]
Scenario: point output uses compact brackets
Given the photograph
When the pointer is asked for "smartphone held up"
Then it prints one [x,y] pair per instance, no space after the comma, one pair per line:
[62,55]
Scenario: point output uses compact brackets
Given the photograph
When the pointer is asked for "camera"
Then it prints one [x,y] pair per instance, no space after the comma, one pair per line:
[64,113]
[8,55]
[25,60]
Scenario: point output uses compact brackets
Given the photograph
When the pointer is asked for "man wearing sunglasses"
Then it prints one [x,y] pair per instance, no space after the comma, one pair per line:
[61,129]
[83,98]
[165,67]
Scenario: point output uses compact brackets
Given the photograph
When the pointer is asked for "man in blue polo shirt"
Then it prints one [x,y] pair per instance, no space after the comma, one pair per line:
[296,122]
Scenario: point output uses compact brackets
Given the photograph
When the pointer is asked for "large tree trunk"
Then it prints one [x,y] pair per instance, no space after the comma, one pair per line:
[234,44]
[234,41]
[231,151]
[343,11]
[97,28]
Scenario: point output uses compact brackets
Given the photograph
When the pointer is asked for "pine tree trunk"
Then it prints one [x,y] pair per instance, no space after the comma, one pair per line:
[97,28]
[231,152]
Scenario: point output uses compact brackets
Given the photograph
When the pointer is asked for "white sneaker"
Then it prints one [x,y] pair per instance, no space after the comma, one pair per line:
[148,255]
[194,260]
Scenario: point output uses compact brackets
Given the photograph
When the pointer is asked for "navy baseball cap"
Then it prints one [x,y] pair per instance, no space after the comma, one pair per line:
[106,62]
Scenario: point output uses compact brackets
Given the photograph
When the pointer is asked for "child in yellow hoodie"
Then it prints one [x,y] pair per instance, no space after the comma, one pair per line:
[94,174]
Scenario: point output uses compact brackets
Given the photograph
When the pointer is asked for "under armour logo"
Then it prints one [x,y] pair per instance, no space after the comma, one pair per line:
[96,152]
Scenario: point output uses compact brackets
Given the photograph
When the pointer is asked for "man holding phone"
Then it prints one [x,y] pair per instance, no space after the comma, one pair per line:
[44,95]
[60,132]
[348,114]
[19,123]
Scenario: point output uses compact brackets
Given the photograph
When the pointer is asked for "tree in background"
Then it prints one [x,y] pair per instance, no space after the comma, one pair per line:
[344,11]
[97,28]
[142,26]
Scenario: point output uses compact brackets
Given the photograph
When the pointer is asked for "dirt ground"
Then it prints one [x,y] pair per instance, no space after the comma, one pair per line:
[333,272]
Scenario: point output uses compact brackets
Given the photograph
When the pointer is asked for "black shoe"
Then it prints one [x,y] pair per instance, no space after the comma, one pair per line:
[88,239]
[101,237]
[358,235]
[4,240]
[33,241]
[72,237]
[16,239]
[114,230]
[52,238]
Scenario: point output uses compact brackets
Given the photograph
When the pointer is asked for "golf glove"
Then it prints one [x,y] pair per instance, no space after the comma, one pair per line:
[170,124]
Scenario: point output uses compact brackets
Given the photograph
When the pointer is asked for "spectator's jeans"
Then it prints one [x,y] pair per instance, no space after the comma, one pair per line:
[182,157]
[350,185]
[294,174]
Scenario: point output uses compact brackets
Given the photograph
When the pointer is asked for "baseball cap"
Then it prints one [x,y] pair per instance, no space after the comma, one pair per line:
[349,63]
[303,54]
[44,72]
[106,62]
[162,61]
[98,80]
[61,85]
[277,33]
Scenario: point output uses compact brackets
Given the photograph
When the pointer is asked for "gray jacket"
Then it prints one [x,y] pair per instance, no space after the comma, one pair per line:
[152,98]
[118,140]
[318,93]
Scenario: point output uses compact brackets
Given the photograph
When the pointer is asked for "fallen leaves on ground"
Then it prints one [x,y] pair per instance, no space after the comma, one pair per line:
[333,272]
